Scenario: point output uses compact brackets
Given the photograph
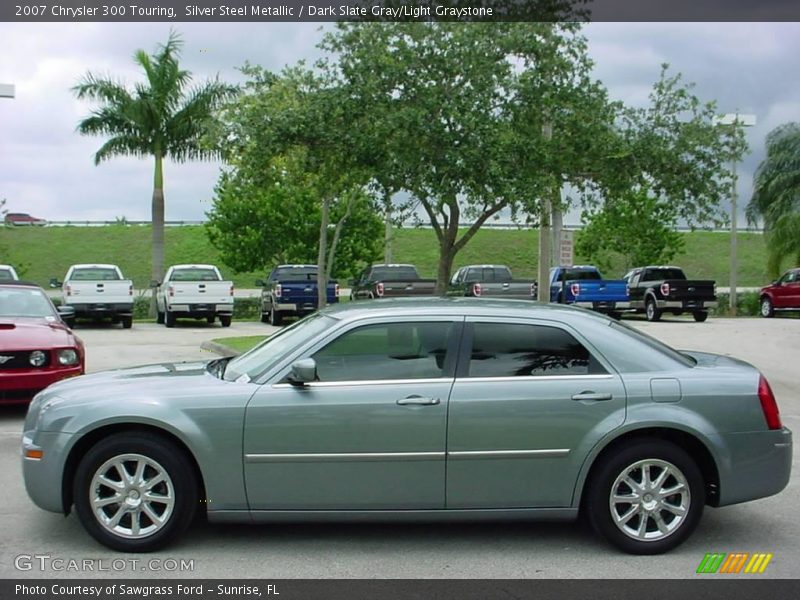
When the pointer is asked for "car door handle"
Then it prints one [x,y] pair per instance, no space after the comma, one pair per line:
[418,400]
[592,396]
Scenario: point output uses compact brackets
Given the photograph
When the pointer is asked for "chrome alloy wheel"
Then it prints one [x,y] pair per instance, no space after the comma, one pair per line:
[649,500]
[132,496]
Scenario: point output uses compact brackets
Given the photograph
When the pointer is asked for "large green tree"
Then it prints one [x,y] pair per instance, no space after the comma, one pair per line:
[162,117]
[776,196]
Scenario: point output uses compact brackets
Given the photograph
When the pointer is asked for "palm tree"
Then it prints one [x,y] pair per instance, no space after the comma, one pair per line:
[161,118]
[776,195]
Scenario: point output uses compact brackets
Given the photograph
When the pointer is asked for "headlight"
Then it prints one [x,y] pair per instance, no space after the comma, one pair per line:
[67,357]
[37,358]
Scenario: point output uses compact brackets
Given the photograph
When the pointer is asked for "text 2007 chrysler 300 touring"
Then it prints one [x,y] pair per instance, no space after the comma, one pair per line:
[421,409]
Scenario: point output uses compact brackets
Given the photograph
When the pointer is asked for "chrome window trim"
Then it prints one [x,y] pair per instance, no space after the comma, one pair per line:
[341,457]
[360,382]
[542,453]
[531,378]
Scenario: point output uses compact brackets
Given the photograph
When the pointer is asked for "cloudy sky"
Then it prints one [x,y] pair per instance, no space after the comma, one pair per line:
[47,169]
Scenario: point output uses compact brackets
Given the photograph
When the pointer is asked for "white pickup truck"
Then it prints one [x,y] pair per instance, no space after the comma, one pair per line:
[194,291]
[7,273]
[96,292]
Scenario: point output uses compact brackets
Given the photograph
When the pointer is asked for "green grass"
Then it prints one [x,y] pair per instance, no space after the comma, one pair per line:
[242,343]
[44,252]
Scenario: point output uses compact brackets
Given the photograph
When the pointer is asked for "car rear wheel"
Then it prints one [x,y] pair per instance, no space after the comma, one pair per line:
[210,320]
[169,319]
[767,310]
[651,311]
[646,498]
[700,316]
[275,318]
[225,320]
[135,492]
[127,322]
[159,317]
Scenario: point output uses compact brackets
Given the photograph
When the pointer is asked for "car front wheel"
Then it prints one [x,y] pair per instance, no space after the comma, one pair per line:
[135,492]
[646,498]
[767,310]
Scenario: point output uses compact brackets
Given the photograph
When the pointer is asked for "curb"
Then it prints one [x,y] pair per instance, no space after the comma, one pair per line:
[220,349]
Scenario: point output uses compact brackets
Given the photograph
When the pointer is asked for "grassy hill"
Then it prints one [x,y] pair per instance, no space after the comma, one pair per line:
[44,252]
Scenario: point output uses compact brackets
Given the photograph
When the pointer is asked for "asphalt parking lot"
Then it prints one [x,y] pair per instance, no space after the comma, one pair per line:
[510,550]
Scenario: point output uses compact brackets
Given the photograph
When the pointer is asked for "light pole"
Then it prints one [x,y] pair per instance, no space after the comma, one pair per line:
[734,120]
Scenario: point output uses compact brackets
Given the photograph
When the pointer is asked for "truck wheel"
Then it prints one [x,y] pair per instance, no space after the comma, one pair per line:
[169,319]
[210,320]
[275,318]
[264,317]
[225,320]
[652,311]
[127,322]
[700,316]
[767,310]
[159,317]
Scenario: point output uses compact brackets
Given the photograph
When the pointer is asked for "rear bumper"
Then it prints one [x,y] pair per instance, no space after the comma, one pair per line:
[200,310]
[100,309]
[755,465]
[20,387]
[687,305]
[603,305]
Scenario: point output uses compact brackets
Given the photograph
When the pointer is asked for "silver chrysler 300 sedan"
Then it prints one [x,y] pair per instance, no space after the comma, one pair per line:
[419,409]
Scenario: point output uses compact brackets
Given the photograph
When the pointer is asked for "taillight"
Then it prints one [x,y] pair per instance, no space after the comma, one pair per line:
[171,291]
[68,290]
[130,290]
[231,290]
[768,404]
[336,290]
[476,289]
[575,288]
[379,290]
[278,290]
[627,289]
[665,289]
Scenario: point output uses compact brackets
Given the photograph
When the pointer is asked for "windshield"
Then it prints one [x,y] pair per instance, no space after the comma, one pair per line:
[295,274]
[654,343]
[256,361]
[25,302]
[405,273]
[661,274]
[578,274]
[194,274]
[5,275]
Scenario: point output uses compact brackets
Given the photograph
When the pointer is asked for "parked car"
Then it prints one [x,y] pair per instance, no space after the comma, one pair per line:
[782,295]
[7,273]
[291,291]
[490,281]
[424,408]
[584,286]
[390,281]
[655,290]
[97,292]
[196,292]
[23,219]
[36,346]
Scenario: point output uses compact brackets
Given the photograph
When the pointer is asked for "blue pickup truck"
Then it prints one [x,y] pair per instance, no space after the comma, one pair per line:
[582,285]
[291,291]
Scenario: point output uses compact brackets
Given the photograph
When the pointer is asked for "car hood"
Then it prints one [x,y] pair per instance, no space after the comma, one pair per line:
[26,333]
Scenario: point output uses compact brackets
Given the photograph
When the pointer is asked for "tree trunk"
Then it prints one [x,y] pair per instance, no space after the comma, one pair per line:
[322,267]
[543,278]
[447,254]
[337,232]
[387,237]
[157,211]
[558,226]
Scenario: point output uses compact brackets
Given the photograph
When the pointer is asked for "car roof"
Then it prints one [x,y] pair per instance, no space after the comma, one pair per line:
[94,266]
[458,306]
[23,284]
[485,267]
[296,266]
[192,267]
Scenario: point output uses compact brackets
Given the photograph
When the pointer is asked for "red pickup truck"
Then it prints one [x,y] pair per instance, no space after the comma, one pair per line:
[781,295]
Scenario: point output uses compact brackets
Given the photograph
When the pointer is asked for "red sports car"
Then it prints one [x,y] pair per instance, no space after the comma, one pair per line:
[36,346]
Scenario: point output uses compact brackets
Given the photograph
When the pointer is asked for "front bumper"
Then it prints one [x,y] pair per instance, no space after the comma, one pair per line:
[43,477]
[756,465]
[18,387]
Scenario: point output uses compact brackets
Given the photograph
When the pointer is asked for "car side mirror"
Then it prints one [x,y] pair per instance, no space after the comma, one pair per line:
[303,371]
[260,283]
[154,284]
[54,282]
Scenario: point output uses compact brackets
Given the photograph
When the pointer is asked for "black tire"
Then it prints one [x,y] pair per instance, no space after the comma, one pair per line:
[264,317]
[161,456]
[169,319]
[606,478]
[651,310]
[225,320]
[210,320]
[275,317]
[159,317]
[767,310]
[615,315]
[127,322]
[700,316]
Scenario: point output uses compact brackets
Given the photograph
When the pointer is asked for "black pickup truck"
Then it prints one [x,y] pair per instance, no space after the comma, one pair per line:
[390,281]
[655,290]
[490,281]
